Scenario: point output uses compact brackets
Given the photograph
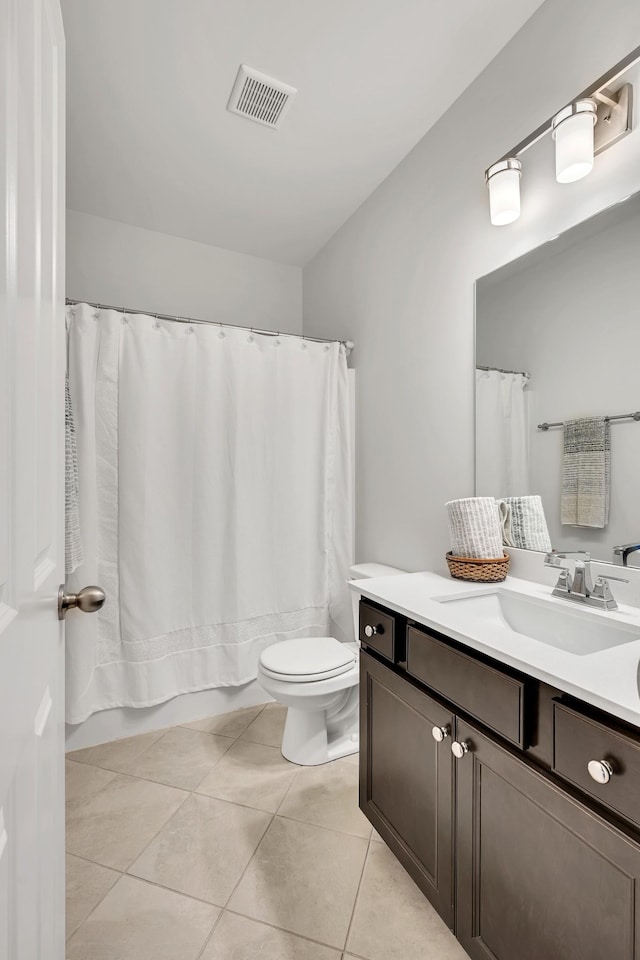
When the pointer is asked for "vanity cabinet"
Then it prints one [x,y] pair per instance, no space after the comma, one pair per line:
[406,780]
[517,853]
[539,875]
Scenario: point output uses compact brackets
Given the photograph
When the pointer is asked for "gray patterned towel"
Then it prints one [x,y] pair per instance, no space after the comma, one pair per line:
[524,524]
[586,469]
[72,541]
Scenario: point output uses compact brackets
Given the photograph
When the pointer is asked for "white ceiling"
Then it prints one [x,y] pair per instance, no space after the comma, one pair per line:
[150,142]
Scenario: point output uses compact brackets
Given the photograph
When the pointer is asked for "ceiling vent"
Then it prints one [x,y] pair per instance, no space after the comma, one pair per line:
[259,97]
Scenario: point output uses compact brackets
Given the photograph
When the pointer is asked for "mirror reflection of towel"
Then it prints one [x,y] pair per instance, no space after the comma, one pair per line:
[524,524]
[586,472]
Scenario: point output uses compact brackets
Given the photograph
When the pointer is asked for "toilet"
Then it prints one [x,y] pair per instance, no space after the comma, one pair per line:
[316,679]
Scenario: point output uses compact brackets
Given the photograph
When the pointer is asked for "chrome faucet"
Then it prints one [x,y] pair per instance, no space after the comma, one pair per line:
[621,553]
[580,587]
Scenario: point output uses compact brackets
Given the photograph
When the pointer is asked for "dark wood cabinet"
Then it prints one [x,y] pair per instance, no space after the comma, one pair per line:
[579,740]
[539,875]
[406,778]
[378,631]
[519,864]
[493,697]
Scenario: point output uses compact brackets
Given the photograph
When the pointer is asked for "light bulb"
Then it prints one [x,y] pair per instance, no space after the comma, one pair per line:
[572,130]
[503,181]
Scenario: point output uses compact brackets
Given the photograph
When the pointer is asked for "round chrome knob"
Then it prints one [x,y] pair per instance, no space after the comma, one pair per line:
[90,599]
[440,733]
[370,631]
[600,770]
[459,748]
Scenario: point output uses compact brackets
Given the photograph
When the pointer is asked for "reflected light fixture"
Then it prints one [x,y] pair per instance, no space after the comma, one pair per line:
[503,181]
[572,129]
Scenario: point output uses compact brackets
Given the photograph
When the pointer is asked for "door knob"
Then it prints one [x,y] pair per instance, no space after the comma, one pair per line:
[90,599]
[600,770]
[440,733]
[370,631]
[459,748]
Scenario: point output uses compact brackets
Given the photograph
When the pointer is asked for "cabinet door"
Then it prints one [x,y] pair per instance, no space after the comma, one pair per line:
[538,874]
[406,778]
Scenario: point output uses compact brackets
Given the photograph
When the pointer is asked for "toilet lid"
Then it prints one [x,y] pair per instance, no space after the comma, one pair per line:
[308,657]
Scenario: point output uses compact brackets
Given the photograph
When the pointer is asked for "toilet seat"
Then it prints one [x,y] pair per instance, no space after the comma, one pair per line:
[307,660]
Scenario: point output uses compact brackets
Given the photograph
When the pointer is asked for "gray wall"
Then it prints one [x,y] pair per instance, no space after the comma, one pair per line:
[398,278]
[114,263]
[572,319]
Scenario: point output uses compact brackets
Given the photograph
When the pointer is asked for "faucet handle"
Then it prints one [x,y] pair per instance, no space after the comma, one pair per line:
[601,592]
[607,577]
[565,583]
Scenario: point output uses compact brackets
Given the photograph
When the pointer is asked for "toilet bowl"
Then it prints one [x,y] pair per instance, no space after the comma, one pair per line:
[316,679]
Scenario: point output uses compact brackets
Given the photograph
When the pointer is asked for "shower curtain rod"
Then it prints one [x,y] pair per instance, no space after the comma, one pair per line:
[522,373]
[347,344]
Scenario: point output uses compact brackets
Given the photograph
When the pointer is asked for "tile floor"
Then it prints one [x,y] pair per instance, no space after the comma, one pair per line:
[202,843]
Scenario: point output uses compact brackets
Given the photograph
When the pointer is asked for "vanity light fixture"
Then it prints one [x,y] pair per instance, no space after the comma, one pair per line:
[599,117]
[572,130]
[503,181]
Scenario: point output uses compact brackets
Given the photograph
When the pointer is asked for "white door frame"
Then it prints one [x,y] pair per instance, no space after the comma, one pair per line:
[32,364]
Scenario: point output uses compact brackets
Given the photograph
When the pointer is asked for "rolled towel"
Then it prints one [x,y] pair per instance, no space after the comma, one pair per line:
[474,527]
[526,526]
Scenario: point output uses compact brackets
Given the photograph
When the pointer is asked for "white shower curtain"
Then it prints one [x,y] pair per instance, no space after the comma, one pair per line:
[502,434]
[215,498]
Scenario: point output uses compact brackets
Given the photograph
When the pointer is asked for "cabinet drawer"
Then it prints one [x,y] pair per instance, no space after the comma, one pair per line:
[382,628]
[491,696]
[577,740]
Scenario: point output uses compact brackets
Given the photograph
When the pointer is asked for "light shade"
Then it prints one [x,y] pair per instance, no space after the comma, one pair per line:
[503,181]
[572,130]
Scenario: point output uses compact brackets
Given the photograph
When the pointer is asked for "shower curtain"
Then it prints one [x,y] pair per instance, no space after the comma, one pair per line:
[215,499]
[502,434]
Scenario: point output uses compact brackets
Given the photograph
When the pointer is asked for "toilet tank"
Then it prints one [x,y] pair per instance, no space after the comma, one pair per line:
[366,571]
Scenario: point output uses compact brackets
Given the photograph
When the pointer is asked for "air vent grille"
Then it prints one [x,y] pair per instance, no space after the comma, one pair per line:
[259,97]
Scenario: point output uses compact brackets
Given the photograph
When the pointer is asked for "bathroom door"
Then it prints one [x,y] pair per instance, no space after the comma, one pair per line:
[32,358]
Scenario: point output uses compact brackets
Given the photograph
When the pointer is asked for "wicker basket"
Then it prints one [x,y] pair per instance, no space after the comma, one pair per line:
[480,569]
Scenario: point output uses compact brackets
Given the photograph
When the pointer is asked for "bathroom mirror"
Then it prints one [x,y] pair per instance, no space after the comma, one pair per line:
[558,331]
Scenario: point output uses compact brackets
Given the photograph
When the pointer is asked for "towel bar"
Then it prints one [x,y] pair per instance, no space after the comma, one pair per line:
[620,416]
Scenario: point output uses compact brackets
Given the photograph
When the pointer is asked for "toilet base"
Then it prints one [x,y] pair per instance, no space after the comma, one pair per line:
[306,740]
[312,737]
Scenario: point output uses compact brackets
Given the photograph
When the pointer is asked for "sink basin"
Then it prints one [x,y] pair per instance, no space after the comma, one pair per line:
[573,630]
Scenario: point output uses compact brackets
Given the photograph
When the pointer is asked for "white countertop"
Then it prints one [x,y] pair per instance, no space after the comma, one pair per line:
[607,679]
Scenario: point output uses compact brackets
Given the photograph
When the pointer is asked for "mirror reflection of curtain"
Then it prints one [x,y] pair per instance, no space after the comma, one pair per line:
[502,434]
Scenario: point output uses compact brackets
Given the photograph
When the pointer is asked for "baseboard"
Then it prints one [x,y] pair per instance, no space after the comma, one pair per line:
[122,722]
